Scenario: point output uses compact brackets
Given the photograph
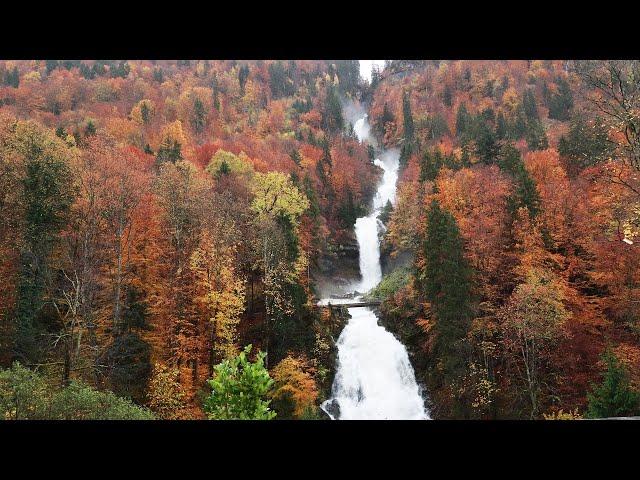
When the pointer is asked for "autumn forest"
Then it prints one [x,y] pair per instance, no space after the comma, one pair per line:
[190,239]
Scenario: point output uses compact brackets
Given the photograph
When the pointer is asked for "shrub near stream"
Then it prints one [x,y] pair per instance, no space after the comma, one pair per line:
[400,305]
[390,284]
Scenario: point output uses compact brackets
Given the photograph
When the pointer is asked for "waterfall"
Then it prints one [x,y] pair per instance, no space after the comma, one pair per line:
[367,227]
[374,378]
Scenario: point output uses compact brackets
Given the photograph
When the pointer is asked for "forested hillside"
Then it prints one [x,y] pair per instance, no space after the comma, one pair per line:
[157,217]
[519,211]
[167,228]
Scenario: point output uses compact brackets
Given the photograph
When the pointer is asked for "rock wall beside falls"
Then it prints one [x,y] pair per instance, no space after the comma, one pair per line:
[337,267]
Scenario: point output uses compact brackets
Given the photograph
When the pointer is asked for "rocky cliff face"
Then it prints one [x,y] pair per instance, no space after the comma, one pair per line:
[330,324]
[338,267]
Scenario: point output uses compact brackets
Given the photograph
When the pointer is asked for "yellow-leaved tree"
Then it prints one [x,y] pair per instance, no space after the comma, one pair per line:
[167,397]
[276,195]
[221,293]
[277,199]
[278,205]
[224,162]
[295,392]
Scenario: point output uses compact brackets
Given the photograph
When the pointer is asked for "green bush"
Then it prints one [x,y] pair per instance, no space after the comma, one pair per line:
[239,389]
[614,397]
[390,284]
[26,395]
[80,402]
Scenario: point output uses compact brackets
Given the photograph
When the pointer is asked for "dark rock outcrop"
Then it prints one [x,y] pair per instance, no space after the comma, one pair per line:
[337,268]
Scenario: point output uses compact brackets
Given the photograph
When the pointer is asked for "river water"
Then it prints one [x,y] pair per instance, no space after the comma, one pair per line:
[374,378]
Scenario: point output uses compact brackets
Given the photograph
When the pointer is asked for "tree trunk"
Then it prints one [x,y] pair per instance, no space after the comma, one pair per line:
[118,287]
[66,371]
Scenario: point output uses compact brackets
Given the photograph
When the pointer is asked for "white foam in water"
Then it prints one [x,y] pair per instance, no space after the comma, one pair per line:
[367,228]
[367,235]
[374,378]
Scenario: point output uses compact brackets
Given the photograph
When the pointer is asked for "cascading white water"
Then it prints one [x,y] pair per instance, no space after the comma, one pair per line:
[374,378]
[367,227]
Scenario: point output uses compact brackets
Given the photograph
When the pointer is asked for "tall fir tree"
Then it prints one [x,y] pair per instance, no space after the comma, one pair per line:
[198,120]
[585,145]
[447,96]
[407,118]
[463,121]
[408,144]
[348,72]
[448,287]
[536,137]
[487,145]
[243,75]
[525,193]
[518,127]
[501,127]
[387,117]
[48,193]
[561,103]
[332,117]
[614,397]
[529,105]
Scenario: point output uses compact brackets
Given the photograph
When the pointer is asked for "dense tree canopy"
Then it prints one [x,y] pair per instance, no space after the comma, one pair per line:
[156,217]
[538,174]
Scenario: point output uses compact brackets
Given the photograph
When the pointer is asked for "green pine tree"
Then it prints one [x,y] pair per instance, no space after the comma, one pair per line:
[525,193]
[198,121]
[145,113]
[348,72]
[332,119]
[430,165]
[90,129]
[501,127]
[536,136]
[169,151]
[585,145]
[215,89]
[51,65]
[447,285]
[296,157]
[447,96]
[407,117]
[561,103]
[158,75]
[518,127]
[463,121]
[47,196]
[529,105]
[614,397]
[12,78]
[487,145]
[243,75]
[387,117]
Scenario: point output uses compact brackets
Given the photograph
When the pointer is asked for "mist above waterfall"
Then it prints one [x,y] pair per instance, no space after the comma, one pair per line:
[352,110]
[366,68]
[356,114]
